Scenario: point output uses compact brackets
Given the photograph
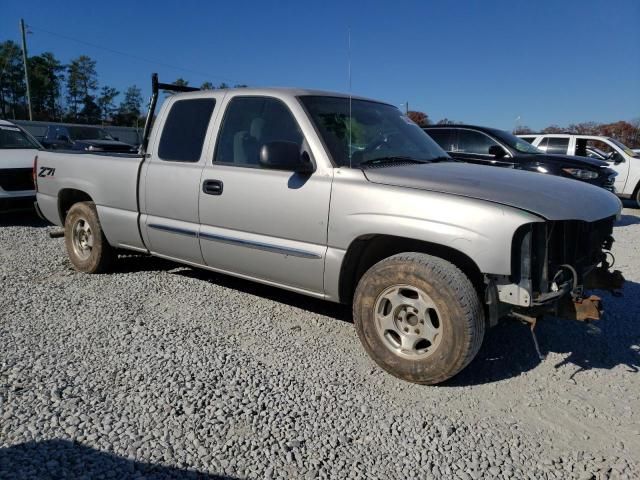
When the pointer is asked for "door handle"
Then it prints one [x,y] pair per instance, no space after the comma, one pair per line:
[212,187]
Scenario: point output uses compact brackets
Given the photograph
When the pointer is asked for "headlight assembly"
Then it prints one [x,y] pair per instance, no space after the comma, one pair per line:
[580,173]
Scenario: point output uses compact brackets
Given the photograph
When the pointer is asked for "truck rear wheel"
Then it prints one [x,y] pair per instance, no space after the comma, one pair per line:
[419,317]
[84,240]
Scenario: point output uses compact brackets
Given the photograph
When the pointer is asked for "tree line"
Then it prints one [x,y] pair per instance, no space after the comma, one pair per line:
[67,92]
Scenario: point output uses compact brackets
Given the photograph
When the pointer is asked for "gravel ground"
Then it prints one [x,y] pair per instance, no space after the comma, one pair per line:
[164,371]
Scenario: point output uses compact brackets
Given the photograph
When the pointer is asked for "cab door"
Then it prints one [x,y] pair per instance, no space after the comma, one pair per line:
[170,180]
[257,222]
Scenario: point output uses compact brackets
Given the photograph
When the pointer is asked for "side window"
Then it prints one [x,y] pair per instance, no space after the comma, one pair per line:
[470,141]
[249,123]
[528,139]
[60,133]
[184,130]
[557,145]
[442,136]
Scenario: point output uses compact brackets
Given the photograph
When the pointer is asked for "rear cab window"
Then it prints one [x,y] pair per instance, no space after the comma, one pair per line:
[184,130]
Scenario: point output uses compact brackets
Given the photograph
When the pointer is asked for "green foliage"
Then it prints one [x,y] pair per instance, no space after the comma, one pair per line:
[106,102]
[45,79]
[130,109]
[82,80]
[12,85]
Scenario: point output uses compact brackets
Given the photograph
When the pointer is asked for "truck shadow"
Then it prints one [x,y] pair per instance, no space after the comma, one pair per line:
[626,220]
[297,300]
[508,349]
[22,218]
[66,459]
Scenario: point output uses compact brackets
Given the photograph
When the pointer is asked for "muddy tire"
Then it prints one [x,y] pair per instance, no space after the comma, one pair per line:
[418,317]
[637,197]
[84,240]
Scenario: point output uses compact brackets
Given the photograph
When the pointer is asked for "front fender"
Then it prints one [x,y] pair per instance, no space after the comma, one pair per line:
[482,230]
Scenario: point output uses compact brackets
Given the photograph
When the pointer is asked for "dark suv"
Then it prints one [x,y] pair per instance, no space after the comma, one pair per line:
[490,146]
[83,137]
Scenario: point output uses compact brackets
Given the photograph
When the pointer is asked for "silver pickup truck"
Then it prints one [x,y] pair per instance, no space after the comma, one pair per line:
[344,199]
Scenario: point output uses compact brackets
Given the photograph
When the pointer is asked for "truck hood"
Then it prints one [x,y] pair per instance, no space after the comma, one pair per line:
[17,157]
[550,197]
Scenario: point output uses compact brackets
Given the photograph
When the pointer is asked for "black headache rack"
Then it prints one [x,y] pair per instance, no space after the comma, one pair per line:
[155,90]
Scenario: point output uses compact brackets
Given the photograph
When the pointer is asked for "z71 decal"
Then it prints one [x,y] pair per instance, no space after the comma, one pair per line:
[47,172]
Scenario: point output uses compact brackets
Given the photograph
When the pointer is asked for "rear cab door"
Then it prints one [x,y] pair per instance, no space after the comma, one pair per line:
[170,177]
[262,223]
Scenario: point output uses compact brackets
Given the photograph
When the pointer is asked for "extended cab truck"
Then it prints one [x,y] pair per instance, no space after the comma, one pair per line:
[341,199]
[621,158]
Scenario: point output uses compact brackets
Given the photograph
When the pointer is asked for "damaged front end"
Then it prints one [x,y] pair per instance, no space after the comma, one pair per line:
[553,264]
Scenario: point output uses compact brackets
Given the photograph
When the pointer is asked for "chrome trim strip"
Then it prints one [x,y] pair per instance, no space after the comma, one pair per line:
[179,231]
[294,252]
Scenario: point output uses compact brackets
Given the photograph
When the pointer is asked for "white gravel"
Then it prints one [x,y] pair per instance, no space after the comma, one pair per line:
[164,371]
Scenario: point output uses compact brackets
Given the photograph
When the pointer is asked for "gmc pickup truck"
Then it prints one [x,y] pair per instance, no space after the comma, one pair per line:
[344,199]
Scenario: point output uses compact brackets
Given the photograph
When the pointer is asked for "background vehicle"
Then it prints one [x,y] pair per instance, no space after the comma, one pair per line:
[490,146]
[620,158]
[17,150]
[83,137]
[129,135]
[264,184]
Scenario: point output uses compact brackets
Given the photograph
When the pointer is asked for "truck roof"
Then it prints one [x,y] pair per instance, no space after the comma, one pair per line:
[277,91]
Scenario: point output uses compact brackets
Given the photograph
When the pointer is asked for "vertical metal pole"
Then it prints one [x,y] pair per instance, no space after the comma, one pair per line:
[406,109]
[26,70]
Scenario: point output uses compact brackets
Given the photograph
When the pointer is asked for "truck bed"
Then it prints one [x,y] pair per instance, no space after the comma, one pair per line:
[109,179]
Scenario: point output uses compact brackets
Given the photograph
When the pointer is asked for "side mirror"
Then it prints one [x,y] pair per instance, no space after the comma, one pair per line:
[497,151]
[615,157]
[281,155]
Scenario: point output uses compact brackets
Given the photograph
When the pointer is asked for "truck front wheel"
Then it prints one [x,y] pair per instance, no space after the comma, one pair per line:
[86,245]
[419,317]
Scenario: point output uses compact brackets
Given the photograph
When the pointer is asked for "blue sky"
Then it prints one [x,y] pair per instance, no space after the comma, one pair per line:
[484,62]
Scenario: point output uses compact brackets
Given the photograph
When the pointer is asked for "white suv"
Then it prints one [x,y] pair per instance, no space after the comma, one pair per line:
[622,159]
[17,152]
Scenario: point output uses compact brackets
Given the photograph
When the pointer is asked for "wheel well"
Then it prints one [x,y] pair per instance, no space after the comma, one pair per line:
[368,250]
[67,198]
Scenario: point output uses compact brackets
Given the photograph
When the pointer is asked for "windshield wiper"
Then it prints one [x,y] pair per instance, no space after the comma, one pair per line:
[390,159]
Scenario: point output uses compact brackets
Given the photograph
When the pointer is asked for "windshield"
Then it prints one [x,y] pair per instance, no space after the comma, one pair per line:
[517,143]
[374,131]
[88,133]
[623,147]
[12,138]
